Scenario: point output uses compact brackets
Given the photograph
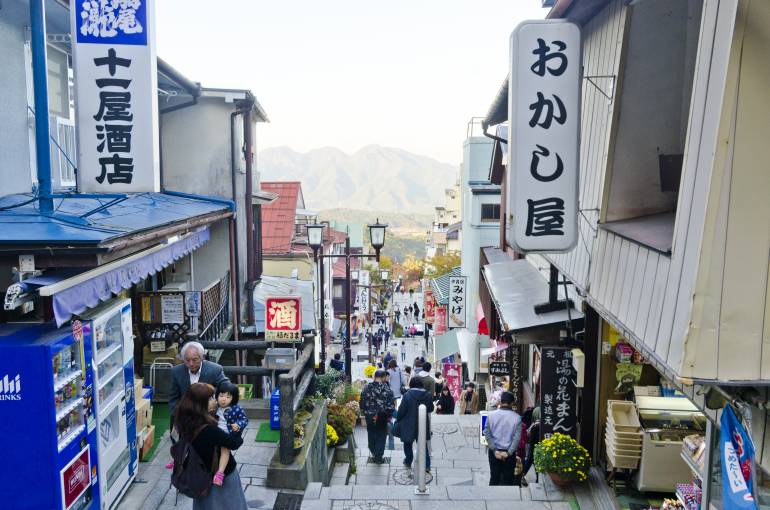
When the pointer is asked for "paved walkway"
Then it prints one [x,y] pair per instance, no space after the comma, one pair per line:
[151,490]
[459,472]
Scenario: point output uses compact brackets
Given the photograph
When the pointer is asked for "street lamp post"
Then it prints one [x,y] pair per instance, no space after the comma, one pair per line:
[315,235]
[315,239]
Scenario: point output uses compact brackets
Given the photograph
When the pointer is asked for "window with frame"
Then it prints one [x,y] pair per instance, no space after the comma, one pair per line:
[490,212]
[337,291]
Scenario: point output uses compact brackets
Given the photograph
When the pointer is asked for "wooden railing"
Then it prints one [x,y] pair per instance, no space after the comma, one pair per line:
[294,386]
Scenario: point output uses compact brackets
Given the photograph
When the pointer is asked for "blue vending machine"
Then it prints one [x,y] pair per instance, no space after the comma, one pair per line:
[108,333]
[47,420]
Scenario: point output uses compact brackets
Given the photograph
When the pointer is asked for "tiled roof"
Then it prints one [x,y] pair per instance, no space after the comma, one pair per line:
[278,217]
[338,269]
[440,285]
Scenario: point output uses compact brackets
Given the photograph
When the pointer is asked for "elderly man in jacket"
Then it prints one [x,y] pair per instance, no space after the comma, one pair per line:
[195,369]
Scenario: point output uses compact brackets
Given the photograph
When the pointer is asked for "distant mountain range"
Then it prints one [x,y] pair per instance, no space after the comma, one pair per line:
[400,222]
[374,178]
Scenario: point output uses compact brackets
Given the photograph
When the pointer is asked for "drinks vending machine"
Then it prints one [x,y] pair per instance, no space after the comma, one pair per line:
[47,421]
[108,333]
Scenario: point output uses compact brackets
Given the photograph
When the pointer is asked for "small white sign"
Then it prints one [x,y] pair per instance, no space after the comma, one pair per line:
[544,135]
[364,277]
[172,309]
[363,300]
[27,263]
[457,297]
[192,303]
[116,90]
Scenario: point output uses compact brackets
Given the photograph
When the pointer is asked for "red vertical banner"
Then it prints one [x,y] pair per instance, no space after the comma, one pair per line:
[453,376]
[429,305]
[439,323]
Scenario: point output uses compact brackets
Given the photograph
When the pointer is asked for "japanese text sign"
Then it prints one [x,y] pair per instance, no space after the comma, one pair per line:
[363,300]
[557,392]
[429,305]
[283,321]
[737,451]
[116,89]
[543,135]
[453,376]
[440,320]
[456,306]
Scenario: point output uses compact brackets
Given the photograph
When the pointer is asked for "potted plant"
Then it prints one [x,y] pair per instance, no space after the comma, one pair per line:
[299,438]
[298,444]
[331,436]
[563,458]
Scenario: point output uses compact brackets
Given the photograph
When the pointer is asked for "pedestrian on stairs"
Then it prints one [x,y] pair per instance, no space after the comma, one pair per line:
[503,434]
[407,420]
[378,404]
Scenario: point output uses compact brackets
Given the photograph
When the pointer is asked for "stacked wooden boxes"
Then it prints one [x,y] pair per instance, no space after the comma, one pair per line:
[624,435]
[145,430]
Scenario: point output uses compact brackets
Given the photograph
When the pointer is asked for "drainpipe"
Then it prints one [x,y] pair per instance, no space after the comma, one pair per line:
[248,148]
[40,78]
[234,244]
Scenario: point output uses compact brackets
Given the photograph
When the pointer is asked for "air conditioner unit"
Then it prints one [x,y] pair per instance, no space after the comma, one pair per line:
[177,286]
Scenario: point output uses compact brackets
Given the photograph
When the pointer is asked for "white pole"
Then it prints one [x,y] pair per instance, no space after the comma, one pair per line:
[422,422]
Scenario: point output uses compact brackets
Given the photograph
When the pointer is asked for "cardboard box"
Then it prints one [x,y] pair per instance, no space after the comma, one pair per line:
[148,442]
[138,385]
[150,356]
[143,410]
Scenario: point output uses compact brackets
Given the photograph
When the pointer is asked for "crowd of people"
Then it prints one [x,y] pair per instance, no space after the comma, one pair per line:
[391,401]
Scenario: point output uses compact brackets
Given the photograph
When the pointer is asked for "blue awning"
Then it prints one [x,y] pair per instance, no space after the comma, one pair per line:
[77,293]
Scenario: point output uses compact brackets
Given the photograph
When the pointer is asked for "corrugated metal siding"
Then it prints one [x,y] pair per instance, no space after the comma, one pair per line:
[602,45]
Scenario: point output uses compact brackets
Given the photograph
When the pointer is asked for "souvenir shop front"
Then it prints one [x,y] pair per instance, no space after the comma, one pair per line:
[661,443]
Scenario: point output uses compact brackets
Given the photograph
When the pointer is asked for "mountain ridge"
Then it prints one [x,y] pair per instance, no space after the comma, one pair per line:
[374,178]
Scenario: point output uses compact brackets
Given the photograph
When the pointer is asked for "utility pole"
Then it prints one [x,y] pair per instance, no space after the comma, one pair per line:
[348,357]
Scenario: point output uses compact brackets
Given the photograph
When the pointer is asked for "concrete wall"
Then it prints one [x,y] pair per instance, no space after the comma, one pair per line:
[477,153]
[14,131]
[197,159]
[284,267]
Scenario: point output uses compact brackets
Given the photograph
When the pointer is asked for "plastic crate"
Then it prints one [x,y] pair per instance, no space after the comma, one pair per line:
[159,376]
[623,416]
[280,358]
[620,461]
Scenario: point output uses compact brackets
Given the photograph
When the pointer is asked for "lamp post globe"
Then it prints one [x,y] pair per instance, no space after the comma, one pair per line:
[315,235]
[377,235]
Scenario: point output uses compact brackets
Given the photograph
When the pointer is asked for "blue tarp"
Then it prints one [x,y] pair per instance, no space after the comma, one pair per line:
[71,225]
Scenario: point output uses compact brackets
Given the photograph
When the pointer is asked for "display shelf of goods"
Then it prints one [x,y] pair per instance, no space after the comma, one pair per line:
[689,495]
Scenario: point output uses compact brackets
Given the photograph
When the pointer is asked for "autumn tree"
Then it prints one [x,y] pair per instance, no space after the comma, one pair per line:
[441,264]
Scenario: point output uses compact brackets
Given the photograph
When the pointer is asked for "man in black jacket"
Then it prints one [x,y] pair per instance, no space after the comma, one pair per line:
[195,369]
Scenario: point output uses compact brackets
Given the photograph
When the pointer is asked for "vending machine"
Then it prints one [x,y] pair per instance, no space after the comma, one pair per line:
[47,422]
[108,334]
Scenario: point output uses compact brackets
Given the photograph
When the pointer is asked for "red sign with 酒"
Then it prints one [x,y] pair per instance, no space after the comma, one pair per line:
[75,478]
[283,321]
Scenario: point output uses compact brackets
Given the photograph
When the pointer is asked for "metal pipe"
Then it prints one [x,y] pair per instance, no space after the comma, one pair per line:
[249,156]
[40,78]
[348,357]
[237,273]
[422,424]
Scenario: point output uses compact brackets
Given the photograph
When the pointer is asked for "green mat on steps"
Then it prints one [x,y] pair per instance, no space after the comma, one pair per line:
[160,418]
[267,435]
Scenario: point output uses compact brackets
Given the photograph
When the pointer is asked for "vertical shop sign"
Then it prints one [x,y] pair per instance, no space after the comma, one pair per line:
[363,299]
[439,321]
[283,321]
[557,392]
[116,91]
[737,451]
[514,385]
[429,305]
[543,139]
[453,376]
[456,306]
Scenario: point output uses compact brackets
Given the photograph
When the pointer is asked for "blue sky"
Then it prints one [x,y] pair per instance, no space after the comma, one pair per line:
[347,73]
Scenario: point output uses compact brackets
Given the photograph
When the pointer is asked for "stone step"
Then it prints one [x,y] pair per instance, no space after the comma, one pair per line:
[256,408]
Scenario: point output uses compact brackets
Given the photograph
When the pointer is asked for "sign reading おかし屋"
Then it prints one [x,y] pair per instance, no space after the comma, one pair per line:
[283,321]
[543,135]
[116,89]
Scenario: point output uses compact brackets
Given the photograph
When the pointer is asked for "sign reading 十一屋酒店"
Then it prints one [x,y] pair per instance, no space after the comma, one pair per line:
[543,135]
[116,90]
